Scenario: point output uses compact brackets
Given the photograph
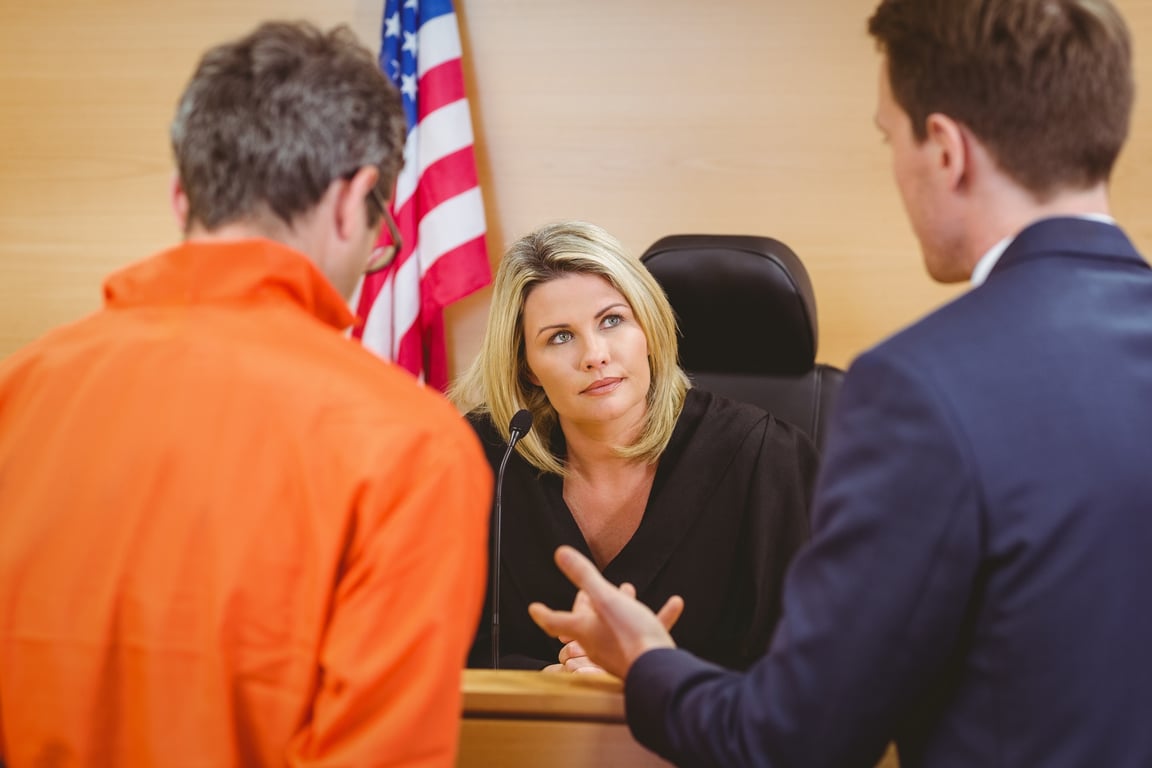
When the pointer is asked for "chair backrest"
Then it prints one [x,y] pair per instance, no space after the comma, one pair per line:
[747,321]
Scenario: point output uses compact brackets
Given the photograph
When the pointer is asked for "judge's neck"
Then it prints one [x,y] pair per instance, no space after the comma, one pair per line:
[593,448]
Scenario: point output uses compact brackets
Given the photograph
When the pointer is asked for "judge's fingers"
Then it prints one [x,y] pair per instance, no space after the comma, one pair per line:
[570,651]
[583,665]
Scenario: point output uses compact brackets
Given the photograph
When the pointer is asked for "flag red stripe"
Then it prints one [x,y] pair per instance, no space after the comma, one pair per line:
[458,272]
[444,179]
[448,177]
[441,85]
[410,353]
[455,275]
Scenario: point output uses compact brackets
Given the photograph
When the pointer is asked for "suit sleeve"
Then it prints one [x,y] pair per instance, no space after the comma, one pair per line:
[406,606]
[874,605]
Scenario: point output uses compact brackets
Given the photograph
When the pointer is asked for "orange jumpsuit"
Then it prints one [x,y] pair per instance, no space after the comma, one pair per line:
[229,535]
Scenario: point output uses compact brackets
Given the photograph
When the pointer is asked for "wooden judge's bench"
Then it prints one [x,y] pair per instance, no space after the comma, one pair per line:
[515,719]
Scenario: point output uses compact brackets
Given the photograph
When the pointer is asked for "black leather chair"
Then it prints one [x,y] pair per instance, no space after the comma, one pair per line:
[747,319]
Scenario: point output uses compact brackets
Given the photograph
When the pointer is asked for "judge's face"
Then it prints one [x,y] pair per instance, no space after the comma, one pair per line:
[585,348]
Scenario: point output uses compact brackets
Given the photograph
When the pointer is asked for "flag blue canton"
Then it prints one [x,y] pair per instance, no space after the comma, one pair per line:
[399,47]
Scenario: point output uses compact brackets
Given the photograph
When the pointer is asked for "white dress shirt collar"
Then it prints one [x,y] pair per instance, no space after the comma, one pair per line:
[984,267]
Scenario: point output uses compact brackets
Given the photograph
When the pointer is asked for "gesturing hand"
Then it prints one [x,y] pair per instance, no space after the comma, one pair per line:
[607,622]
[573,658]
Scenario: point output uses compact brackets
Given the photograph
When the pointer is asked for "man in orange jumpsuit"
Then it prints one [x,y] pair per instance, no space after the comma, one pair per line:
[229,535]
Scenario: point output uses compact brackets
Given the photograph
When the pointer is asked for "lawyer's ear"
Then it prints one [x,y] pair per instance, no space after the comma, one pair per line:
[952,153]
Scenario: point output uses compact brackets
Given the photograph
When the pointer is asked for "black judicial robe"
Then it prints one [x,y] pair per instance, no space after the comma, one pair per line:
[727,510]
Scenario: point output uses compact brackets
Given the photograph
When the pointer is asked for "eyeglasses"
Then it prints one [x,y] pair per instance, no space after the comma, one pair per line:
[383,255]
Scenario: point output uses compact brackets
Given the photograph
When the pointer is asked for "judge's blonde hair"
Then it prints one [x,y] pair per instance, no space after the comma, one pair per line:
[498,380]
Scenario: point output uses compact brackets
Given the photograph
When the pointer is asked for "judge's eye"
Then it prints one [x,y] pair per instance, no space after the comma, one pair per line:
[560,337]
[611,321]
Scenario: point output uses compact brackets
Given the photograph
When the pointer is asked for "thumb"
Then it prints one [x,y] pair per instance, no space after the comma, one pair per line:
[669,613]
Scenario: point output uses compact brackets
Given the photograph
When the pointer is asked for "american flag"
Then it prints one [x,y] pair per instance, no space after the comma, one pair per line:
[437,204]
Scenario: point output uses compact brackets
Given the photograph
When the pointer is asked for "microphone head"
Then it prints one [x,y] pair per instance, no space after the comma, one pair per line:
[521,423]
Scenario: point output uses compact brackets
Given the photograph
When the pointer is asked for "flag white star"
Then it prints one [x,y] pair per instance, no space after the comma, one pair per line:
[395,64]
[408,85]
[392,25]
[411,3]
[409,42]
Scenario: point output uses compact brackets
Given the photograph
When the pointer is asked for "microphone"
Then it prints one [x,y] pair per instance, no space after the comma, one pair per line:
[519,426]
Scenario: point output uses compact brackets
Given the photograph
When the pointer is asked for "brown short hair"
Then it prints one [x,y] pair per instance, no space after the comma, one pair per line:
[1046,85]
[270,120]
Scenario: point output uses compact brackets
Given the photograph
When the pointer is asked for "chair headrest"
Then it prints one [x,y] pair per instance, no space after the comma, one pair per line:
[744,303]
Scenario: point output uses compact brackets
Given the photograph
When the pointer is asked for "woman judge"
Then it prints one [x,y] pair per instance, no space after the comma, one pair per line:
[671,489]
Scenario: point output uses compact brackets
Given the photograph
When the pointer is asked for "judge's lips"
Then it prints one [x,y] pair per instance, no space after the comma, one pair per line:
[601,386]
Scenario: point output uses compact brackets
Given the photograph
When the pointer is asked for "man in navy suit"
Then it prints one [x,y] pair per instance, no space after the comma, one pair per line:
[976,588]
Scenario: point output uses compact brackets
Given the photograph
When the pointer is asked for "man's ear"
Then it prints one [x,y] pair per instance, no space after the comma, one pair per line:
[351,209]
[952,153]
[179,201]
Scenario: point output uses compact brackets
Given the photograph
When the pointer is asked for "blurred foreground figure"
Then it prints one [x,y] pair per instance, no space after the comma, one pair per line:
[226,530]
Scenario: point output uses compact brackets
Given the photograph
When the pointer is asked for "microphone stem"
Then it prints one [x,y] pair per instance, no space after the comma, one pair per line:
[496,553]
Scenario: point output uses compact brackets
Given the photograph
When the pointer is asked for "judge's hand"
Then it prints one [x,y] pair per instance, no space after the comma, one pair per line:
[609,623]
[573,658]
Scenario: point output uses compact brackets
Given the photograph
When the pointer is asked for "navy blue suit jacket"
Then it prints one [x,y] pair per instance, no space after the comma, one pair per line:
[979,582]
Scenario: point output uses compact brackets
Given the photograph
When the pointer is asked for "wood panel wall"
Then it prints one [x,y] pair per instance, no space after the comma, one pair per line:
[650,117]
